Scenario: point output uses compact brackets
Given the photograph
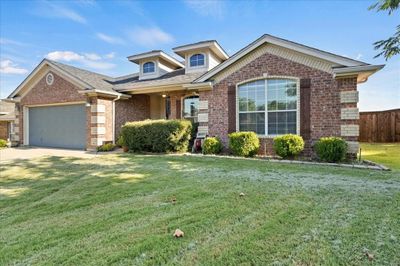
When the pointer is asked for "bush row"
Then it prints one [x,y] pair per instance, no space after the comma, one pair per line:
[174,136]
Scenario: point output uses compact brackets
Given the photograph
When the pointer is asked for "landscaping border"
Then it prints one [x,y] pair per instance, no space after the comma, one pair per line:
[370,165]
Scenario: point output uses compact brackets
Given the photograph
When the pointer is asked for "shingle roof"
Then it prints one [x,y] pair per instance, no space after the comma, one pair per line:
[95,80]
[174,77]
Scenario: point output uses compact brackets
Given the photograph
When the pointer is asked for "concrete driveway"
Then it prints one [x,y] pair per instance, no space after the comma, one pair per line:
[34,152]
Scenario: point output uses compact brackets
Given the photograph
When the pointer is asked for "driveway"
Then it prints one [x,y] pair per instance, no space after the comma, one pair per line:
[34,152]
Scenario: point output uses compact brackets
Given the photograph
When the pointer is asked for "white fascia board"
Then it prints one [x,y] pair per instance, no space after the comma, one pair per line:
[357,69]
[212,45]
[101,92]
[160,54]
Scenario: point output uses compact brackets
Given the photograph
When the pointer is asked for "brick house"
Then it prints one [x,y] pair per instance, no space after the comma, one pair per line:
[272,86]
[7,119]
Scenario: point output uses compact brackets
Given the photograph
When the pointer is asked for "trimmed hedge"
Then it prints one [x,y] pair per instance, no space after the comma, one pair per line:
[157,135]
[331,149]
[288,145]
[244,144]
[3,143]
[212,145]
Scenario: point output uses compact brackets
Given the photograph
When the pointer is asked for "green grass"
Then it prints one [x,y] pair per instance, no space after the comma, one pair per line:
[117,209]
[387,154]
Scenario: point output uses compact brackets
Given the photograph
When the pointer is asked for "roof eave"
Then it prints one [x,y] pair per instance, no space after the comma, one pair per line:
[95,92]
[361,72]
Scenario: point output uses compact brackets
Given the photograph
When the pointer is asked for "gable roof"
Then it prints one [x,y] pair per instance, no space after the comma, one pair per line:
[334,58]
[213,45]
[155,53]
[87,79]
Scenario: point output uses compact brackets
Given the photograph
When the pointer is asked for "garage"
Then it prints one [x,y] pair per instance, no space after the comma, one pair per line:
[62,126]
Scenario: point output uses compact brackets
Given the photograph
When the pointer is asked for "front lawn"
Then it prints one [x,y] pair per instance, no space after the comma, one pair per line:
[387,154]
[120,209]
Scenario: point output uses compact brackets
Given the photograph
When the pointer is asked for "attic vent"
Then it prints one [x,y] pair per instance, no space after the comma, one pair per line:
[49,79]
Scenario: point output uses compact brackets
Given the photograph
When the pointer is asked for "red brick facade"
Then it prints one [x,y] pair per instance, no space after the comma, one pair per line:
[325,103]
[134,109]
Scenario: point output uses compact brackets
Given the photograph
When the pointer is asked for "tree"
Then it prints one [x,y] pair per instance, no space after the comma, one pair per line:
[391,46]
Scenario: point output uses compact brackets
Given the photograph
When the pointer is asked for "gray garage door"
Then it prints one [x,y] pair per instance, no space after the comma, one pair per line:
[58,126]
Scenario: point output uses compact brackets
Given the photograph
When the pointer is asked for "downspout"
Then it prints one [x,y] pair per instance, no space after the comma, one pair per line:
[113,117]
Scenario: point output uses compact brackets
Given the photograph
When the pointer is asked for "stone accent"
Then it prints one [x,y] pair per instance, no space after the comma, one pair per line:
[349,97]
[353,147]
[349,113]
[349,130]
[95,119]
[203,118]
[202,129]
[98,108]
[98,130]
[96,141]
[203,105]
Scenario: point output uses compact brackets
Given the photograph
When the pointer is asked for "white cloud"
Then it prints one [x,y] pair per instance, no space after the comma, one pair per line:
[8,67]
[91,60]
[212,8]
[109,39]
[52,10]
[110,55]
[150,36]
[5,41]
[359,56]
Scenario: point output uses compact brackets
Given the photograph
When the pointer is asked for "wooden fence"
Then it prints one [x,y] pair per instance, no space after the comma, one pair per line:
[381,126]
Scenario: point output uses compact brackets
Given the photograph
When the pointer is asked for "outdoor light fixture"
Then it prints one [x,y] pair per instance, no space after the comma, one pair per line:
[164,95]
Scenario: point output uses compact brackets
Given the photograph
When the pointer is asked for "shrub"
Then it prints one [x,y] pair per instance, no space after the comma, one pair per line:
[3,143]
[331,149]
[106,147]
[157,135]
[120,141]
[244,143]
[212,145]
[288,145]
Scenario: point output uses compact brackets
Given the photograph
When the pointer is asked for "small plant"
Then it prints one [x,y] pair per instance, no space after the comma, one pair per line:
[106,147]
[331,149]
[212,145]
[120,141]
[244,144]
[288,145]
[3,143]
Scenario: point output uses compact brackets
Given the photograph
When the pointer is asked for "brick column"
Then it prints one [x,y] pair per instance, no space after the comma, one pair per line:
[16,130]
[349,113]
[96,128]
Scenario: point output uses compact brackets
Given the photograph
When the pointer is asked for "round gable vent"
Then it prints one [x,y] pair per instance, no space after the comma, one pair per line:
[49,79]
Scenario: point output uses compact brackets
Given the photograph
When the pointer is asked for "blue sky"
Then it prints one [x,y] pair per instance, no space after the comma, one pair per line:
[99,35]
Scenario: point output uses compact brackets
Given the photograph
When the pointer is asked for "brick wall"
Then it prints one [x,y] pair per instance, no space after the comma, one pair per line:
[4,134]
[61,91]
[325,103]
[134,109]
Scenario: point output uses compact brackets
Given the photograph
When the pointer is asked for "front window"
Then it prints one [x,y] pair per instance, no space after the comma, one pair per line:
[197,60]
[268,107]
[148,67]
[191,108]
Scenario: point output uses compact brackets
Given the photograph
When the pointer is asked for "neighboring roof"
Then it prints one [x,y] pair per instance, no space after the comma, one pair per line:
[7,111]
[175,77]
[213,45]
[336,59]
[155,53]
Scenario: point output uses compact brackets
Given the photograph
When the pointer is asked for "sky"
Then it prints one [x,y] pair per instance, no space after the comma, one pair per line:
[99,35]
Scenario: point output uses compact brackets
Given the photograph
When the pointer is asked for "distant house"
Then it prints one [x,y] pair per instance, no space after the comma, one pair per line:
[7,119]
[272,87]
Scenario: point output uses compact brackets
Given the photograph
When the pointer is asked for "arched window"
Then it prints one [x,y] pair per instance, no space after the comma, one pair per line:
[148,67]
[191,107]
[197,60]
[268,106]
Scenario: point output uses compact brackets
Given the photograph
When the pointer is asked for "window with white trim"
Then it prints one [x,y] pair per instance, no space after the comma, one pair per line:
[197,60]
[149,67]
[191,107]
[268,106]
